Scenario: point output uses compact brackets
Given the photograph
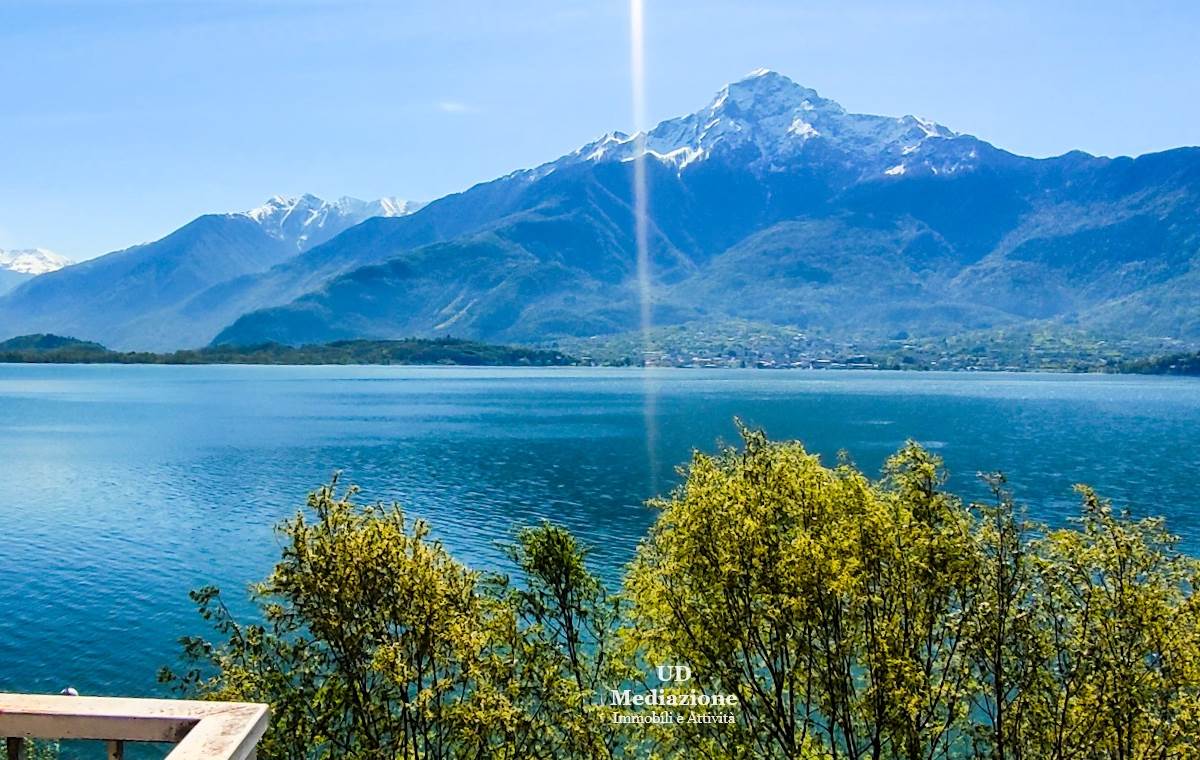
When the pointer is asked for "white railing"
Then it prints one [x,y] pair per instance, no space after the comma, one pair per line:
[200,730]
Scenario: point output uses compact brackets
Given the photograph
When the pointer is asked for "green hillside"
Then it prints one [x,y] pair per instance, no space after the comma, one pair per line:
[54,349]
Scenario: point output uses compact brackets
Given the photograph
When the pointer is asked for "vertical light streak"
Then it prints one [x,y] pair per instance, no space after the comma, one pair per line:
[637,34]
[637,68]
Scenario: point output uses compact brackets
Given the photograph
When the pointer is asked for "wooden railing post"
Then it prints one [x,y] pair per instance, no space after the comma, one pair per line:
[116,750]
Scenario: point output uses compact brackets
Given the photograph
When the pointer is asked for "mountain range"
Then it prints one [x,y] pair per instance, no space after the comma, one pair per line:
[771,204]
[142,297]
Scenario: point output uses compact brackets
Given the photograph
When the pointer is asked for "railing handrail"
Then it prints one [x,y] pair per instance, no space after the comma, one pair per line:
[201,730]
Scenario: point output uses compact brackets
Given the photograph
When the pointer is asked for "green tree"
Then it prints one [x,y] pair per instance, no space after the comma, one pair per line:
[1120,628]
[569,625]
[376,643]
[1003,641]
[832,606]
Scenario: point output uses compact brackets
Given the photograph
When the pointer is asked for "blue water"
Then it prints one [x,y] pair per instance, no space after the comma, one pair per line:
[124,487]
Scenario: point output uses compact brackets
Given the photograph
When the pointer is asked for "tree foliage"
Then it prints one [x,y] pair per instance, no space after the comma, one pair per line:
[376,643]
[1171,364]
[887,619]
[851,617]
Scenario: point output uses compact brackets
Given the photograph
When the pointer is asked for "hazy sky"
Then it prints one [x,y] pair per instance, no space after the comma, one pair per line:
[120,121]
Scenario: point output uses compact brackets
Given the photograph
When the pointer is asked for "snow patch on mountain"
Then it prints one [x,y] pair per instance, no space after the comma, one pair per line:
[32,261]
[307,220]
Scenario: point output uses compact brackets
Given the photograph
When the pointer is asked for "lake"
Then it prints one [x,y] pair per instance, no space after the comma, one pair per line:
[126,486]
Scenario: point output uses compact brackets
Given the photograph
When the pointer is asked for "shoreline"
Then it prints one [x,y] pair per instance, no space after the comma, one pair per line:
[617,367]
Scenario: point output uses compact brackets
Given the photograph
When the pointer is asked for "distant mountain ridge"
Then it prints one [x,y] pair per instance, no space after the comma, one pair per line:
[771,204]
[17,266]
[307,220]
[32,261]
[138,298]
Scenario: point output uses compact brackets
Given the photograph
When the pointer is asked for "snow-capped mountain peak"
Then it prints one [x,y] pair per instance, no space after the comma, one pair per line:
[32,261]
[766,93]
[771,122]
[307,220]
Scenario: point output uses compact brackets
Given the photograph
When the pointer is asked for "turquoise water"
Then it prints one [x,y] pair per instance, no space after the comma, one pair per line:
[124,487]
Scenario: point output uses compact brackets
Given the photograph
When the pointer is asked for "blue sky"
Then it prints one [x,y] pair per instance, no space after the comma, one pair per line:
[120,121]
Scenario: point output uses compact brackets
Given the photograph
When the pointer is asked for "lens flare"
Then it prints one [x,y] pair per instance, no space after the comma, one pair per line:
[638,72]
[637,68]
